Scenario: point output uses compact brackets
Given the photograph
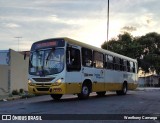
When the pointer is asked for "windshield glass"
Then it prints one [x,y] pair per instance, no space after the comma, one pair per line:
[46,62]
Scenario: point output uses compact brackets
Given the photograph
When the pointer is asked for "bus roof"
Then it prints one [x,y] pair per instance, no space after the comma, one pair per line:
[75,42]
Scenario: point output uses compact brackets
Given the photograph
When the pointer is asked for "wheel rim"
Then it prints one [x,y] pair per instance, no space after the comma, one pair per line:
[85,90]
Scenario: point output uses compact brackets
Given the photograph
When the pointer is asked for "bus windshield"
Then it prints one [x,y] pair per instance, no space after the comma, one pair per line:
[46,61]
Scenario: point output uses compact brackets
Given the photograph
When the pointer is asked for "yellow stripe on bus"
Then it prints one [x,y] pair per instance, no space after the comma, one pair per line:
[74,88]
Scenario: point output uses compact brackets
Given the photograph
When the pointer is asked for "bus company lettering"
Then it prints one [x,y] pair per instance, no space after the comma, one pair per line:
[98,76]
[86,74]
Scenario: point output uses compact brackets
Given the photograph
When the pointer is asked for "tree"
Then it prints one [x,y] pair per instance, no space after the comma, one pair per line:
[124,45]
[146,49]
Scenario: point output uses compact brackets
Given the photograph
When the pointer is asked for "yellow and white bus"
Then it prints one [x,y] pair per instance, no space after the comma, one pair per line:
[65,66]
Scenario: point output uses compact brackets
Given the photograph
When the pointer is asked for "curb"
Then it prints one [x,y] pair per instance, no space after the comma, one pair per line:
[7,98]
[148,89]
[15,97]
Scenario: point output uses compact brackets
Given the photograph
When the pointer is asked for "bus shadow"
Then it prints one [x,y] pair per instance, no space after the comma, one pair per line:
[75,99]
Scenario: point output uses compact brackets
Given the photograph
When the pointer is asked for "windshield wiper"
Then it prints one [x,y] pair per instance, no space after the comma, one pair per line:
[52,50]
[41,71]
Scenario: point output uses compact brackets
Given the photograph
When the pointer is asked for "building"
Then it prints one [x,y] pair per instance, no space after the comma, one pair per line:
[13,71]
[150,81]
[4,57]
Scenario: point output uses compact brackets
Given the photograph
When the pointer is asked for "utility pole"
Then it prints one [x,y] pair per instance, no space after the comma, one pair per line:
[18,41]
[107,22]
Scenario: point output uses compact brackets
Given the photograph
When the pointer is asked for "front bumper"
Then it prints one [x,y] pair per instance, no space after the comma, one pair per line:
[48,88]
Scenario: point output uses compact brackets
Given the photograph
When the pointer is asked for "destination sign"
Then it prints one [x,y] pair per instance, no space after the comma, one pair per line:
[48,43]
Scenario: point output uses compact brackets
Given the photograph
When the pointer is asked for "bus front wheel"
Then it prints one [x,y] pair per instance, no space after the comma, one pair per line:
[56,96]
[84,92]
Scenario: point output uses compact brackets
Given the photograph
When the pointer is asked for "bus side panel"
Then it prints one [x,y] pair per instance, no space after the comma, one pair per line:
[134,82]
[113,86]
[98,86]
[73,82]
[98,79]
[73,88]
[132,86]
[113,80]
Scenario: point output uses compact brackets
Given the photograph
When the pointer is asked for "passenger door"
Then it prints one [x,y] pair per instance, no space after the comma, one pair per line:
[73,67]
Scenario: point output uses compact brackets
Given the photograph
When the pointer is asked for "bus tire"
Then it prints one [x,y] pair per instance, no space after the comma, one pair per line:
[56,96]
[124,89]
[101,94]
[84,92]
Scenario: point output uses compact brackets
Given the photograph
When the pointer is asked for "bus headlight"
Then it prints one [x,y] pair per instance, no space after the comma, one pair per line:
[58,82]
[30,83]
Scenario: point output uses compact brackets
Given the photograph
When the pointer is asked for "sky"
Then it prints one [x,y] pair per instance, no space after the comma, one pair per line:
[82,20]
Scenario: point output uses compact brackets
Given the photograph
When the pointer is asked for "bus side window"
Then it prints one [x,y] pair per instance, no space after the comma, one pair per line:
[125,65]
[73,59]
[128,66]
[132,67]
[87,57]
[105,62]
[121,65]
[116,63]
[110,64]
[98,60]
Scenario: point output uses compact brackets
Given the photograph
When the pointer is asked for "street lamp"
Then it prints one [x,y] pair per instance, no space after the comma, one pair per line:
[107,22]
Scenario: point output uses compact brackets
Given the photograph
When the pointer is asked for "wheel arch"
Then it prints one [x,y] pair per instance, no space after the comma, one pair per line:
[125,82]
[88,82]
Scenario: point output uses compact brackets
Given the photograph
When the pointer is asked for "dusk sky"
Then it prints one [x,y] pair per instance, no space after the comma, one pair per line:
[82,20]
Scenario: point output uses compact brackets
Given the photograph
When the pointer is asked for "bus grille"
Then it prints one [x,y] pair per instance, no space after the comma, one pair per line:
[43,89]
[43,79]
[43,84]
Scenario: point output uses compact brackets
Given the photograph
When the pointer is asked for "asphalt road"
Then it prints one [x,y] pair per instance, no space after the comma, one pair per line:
[135,102]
